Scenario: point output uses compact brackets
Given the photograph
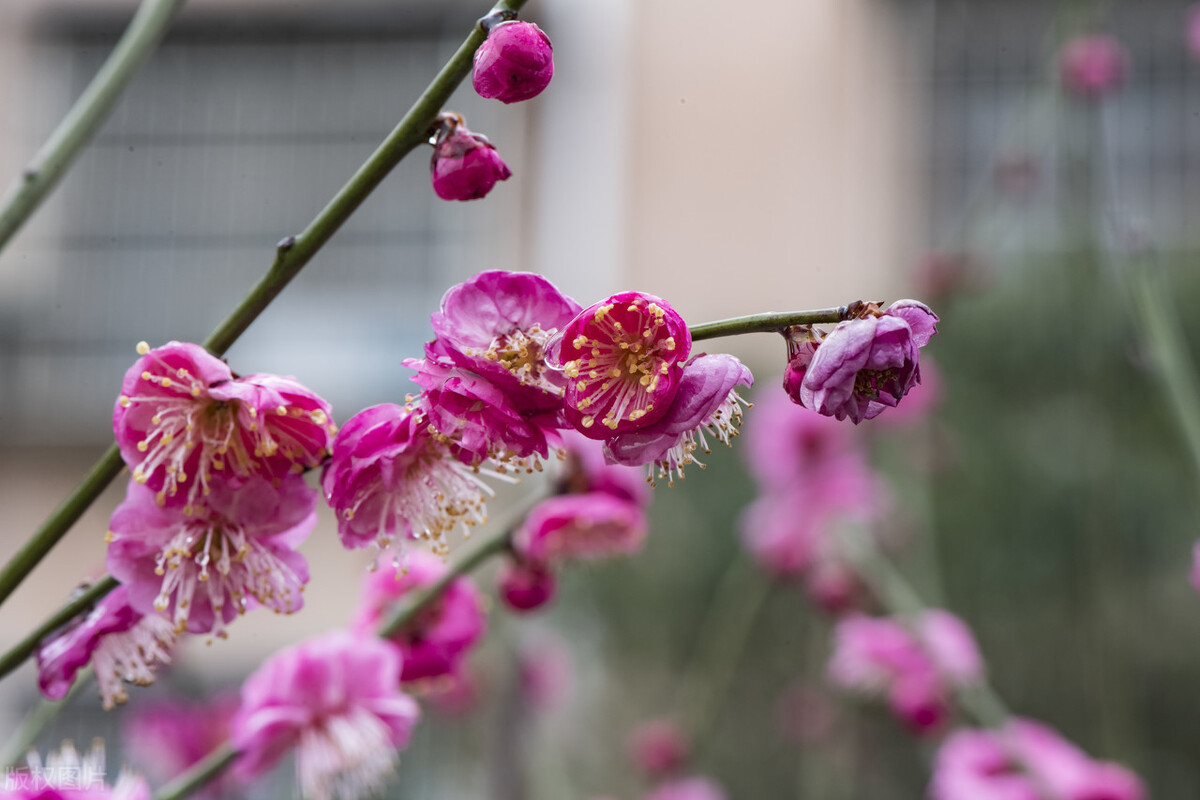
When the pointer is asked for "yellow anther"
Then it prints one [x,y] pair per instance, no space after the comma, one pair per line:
[143,446]
[142,348]
[588,422]
[146,376]
[124,401]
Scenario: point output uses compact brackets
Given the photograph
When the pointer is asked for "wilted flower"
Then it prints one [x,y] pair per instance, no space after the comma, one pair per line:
[122,645]
[68,776]
[580,526]
[437,642]
[915,668]
[1025,761]
[183,418]
[526,586]
[515,63]
[868,363]
[390,479]
[464,165]
[707,399]
[624,360]
[658,747]
[336,699]
[204,568]
[1093,66]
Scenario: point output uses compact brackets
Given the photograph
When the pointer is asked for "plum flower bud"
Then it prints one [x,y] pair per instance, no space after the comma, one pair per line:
[66,775]
[121,644]
[868,363]
[437,642]
[580,526]
[336,699]
[1026,760]
[658,747]
[1093,66]
[205,568]
[515,63]
[464,165]
[183,418]
[624,360]
[707,399]
[526,587]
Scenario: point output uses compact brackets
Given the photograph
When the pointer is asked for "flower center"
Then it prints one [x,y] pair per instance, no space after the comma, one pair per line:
[219,562]
[520,352]
[626,359]
[868,383]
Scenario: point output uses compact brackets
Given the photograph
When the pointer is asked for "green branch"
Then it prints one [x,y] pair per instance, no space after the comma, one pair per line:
[14,657]
[86,116]
[772,322]
[291,256]
[202,773]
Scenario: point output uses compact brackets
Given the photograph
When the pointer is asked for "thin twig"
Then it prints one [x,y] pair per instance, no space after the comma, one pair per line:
[14,657]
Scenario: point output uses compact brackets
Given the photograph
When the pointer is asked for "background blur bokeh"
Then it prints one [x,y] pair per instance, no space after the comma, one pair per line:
[732,160]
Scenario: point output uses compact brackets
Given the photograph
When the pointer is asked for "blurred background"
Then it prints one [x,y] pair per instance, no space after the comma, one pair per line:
[733,160]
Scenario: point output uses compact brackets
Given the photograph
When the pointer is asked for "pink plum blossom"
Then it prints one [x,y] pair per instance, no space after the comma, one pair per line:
[917,669]
[526,586]
[464,165]
[166,737]
[787,444]
[624,360]
[1025,761]
[183,418]
[66,775]
[1093,66]
[515,62]
[439,640]
[688,789]
[204,568]
[658,747]
[336,699]
[498,325]
[580,527]
[390,478]
[122,645]
[707,399]
[868,363]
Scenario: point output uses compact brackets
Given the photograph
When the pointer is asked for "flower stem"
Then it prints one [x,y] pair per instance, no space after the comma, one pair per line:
[770,322]
[23,649]
[200,774]
[404,616]
[291,255]
[86,116]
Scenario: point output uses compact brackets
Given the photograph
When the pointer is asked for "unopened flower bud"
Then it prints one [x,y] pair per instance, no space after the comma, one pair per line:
[515,63]
[1093,66]
[465,165]
[525,587]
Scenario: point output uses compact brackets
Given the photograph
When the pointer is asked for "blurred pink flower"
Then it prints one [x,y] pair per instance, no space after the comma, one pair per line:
[391,479]
[437,643]
[658,747]
[182,417]
[787,444]
[1025,761]
[465,165]
[122,645]
[1196,566]
[707,398]
[66,775]
[515,62]
[580,527]
[623,358]
[165,737]
[917,669]
[1093,66]
[453,695]
[688,789]
[1192,30]
[336,699]
[525,586]
[204,568]
[868,363]
[588,471]
[546,671]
